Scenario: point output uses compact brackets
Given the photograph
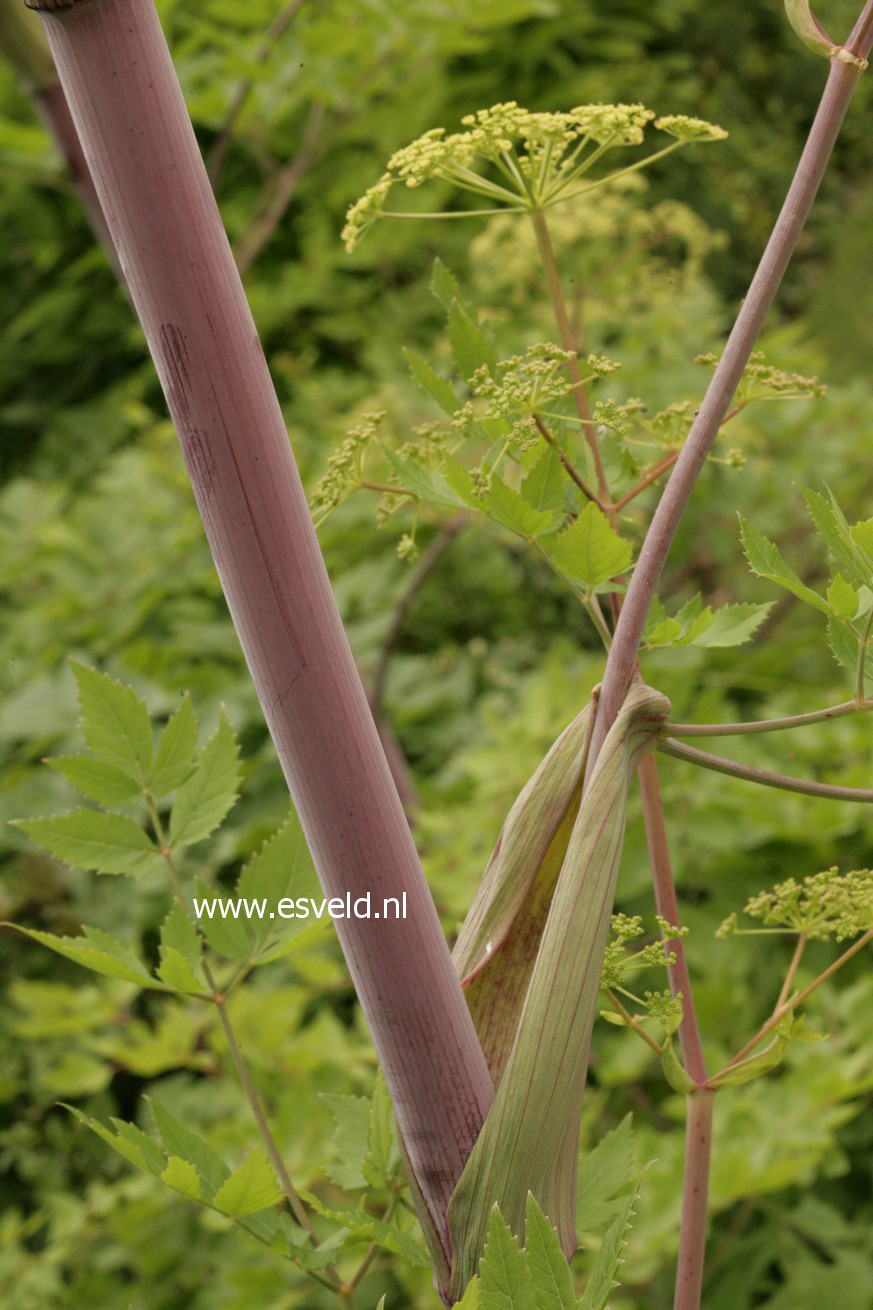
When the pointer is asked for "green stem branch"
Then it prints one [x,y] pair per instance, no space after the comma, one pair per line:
[783,781]
[568,341]
[769,725]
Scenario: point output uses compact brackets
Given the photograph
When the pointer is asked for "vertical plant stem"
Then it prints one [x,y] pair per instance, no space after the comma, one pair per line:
[862,657]
[838,91]
[242,1069]
[568,341]
[785,991]
[297,1207]
[128,109]
[695,1192]
[668,907]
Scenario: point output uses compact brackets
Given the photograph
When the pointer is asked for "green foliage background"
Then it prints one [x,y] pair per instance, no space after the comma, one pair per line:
[103,558]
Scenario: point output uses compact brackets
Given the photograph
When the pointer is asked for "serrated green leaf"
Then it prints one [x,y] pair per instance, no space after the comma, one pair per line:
[179,933]
[834,531]
[471,1299]
[206,797]
[514,512]
[230,937]
[731,625]
[364,1227]
[504,1277]
[844,645]
[852,540]
[180,1140]
[351,1138]
[97,951]
[589,552]
[96,779]
[175,971]
[808,28]
[250,1188]
[603,1278]
[604,1175]
[471,348]
[547,1264]
[183,1177]
[281,869]
[424,483]
[543,487]
[175,757]
[115,722]
[127,1140]
[766,561]
[152,1154]
[842,598]
[444,285]
[430,381]
[89,839]
[383,1158]
[461,483]
[862,535]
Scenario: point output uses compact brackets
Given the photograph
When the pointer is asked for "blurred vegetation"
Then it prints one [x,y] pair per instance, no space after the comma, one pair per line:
[102,558]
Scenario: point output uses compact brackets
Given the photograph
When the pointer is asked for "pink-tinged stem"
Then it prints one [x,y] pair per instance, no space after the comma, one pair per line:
[695,1192]
[128,109]
[838,91]
[668,907]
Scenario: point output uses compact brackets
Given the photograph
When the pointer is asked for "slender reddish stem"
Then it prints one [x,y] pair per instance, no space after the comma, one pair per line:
[834,103]
[695,1197]
[647,479]
[668,907]
[764,777]
[131,119]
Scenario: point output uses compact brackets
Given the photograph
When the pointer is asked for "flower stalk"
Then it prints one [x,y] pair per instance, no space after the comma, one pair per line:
[840,86]
[128,109]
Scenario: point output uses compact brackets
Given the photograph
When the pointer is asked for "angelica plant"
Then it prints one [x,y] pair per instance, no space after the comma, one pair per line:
[485,1053]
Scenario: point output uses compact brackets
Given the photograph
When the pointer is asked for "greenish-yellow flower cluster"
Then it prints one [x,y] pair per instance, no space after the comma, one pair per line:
[824,905]
[518,159]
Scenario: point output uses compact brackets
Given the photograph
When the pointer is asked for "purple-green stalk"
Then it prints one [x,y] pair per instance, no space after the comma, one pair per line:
[622,658]
[834,102]
[131,119]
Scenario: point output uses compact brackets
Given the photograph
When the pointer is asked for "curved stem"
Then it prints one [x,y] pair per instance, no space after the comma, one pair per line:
[765,777]
[769,725]
[823,134]
[695,1194]
[632,1021]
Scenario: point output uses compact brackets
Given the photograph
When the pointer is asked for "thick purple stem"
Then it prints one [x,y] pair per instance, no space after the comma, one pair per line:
[137,138]
[828,120]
